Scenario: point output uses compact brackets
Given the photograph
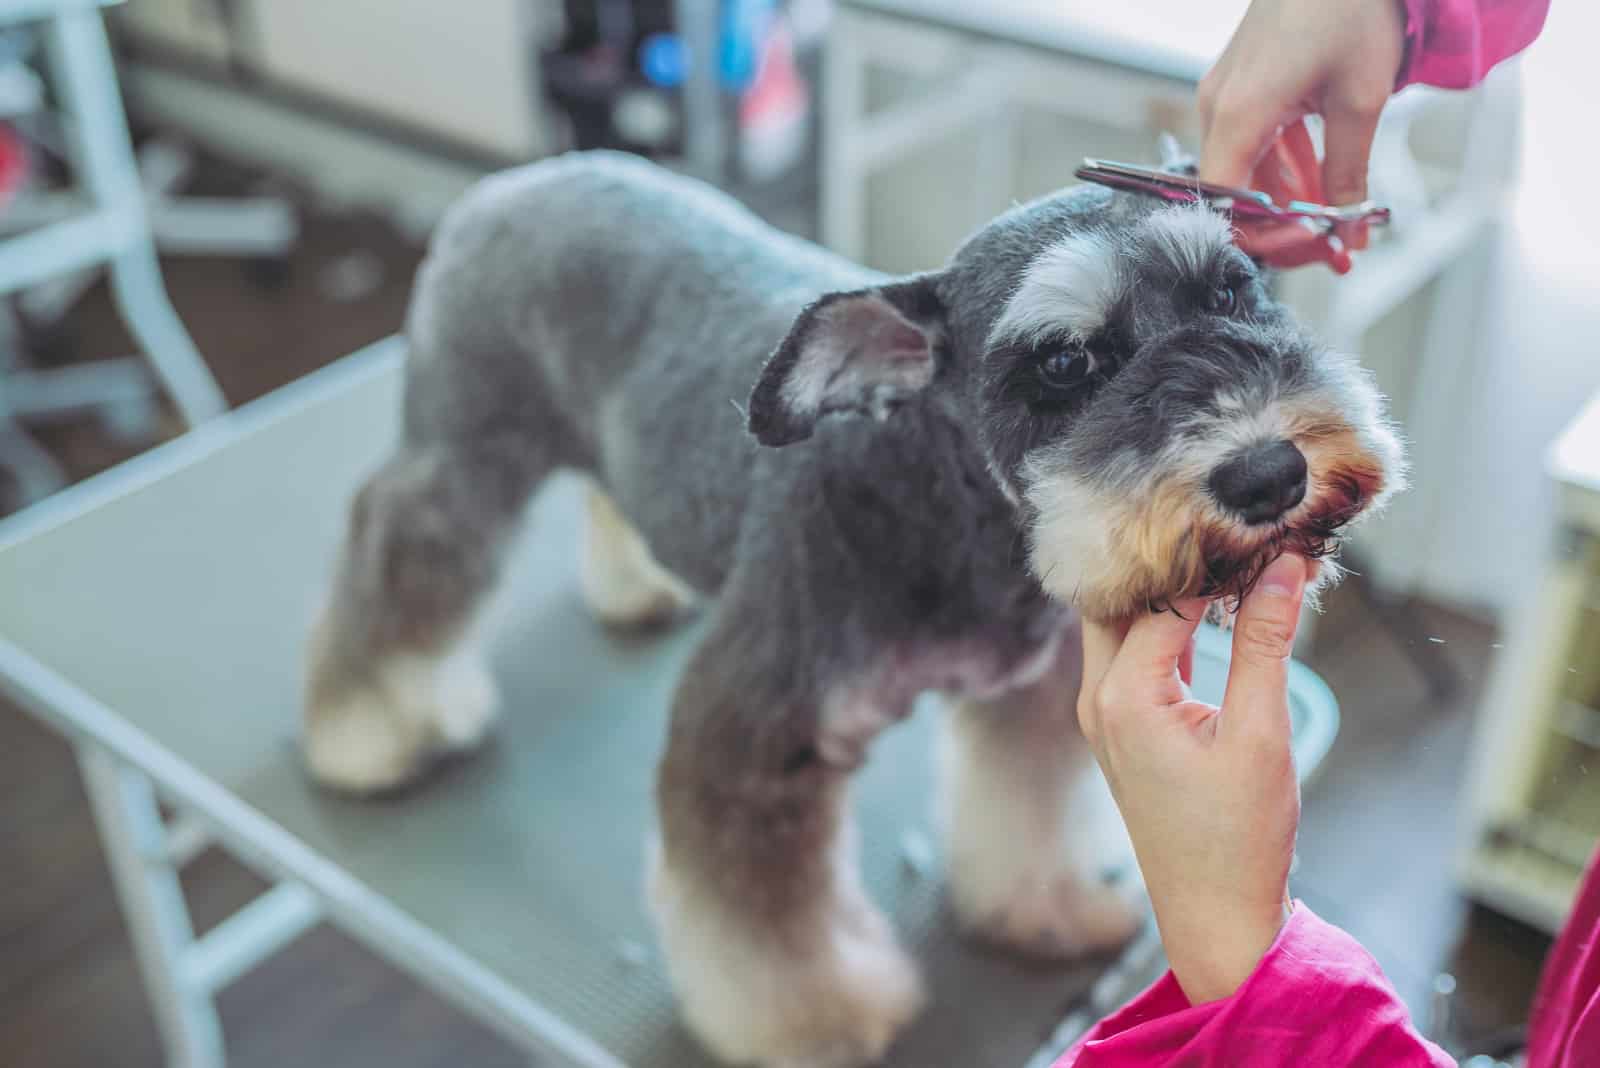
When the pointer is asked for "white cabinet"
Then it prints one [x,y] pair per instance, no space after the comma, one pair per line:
[1534,789]
[465,74]
[466,71]
[196,28]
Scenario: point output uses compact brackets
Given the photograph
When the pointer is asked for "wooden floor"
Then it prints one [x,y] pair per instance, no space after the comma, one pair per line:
[1375,841]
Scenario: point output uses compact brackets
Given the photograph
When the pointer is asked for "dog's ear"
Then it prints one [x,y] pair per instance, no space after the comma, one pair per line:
[864,351]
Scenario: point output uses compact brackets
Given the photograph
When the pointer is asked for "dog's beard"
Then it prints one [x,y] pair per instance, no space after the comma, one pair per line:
[1235,557]
[1118,552]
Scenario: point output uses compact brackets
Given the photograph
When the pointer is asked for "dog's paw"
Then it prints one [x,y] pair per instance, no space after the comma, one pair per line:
[842,1013]
[836,998]
[856,1013]
[354,743]
[628,602]
[381,733]
[462,702]
[621,581]
[1057,918]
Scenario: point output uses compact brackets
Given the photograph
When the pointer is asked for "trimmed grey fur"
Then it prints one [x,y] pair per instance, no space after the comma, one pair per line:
[595,312]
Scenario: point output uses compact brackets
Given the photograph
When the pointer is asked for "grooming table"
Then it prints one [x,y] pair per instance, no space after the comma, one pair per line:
[155,616]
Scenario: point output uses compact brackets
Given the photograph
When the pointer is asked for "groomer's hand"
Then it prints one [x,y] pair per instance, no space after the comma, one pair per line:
[1288,59]
[1209,795]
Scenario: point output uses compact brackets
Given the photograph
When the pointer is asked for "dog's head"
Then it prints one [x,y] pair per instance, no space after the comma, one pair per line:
[1163,427]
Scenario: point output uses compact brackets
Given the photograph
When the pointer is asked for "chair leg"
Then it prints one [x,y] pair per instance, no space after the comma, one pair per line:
[33,470]
[102,148]
[140,294]
[134,837]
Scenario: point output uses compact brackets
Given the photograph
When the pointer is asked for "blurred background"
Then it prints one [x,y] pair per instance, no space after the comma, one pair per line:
[293,156]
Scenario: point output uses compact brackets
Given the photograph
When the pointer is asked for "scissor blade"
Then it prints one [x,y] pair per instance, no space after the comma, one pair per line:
[1247,203]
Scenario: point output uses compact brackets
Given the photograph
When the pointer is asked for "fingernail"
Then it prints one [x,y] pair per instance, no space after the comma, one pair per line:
[1284,577]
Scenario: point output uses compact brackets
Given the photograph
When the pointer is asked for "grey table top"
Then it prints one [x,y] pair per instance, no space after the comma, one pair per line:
[176,593]
[1176,39]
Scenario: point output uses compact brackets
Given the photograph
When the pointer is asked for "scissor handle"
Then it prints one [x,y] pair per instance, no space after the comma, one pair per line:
[1240,202]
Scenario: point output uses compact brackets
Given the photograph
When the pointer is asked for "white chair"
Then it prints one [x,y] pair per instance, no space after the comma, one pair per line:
[111,228]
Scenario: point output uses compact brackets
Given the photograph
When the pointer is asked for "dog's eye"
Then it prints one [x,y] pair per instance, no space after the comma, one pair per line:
[1223,300]
[1066,368]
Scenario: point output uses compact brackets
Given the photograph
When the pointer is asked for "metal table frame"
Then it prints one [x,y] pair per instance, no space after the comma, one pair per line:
[128,775]
[126,772]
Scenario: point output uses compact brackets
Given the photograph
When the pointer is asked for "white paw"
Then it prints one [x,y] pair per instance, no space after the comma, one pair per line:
[380,734]
[456,695]
[836,999]
[621,581]
[616,602]
[1056,918]
[357,745]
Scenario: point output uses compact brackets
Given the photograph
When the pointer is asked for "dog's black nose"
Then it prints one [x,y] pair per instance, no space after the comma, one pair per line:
[1261,483]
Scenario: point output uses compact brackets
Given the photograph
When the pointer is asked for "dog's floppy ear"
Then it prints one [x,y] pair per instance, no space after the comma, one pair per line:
[864,351]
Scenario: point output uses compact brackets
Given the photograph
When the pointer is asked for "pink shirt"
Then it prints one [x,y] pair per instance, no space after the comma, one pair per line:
[1318,999]
[1453,44]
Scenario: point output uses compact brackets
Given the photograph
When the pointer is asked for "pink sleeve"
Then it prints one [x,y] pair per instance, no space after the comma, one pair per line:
[1317,998]
[1454,44]
[1564,1030]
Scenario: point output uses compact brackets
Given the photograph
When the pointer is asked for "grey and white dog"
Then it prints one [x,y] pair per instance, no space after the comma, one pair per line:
[1095,406]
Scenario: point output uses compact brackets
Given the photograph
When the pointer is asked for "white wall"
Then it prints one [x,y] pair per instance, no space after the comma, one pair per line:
[1541,336]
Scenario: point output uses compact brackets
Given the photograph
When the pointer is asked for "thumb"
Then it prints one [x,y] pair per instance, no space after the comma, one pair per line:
[1263,637]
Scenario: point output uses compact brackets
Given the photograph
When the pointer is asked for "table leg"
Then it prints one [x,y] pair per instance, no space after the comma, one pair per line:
[102,148]
[34,472]
[142,869]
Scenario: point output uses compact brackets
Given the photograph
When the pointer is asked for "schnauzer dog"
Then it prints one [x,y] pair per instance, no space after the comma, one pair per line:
[884,486]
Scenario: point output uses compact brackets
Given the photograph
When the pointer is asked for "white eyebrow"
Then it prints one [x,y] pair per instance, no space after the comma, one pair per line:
[1189,236]
[1069,288]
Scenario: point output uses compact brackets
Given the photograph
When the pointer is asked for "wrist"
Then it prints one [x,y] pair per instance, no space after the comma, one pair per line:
[1212,958]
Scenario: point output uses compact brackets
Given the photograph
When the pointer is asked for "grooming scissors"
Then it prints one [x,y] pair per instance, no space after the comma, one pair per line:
[1175,181]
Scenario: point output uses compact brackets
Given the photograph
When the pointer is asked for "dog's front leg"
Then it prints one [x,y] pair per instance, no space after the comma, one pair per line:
[1023,870]
[777,955]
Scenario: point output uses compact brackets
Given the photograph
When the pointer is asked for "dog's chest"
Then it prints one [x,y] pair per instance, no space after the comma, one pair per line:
[979,667]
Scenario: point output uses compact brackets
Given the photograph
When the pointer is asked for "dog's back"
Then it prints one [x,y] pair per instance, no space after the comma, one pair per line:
[599,298]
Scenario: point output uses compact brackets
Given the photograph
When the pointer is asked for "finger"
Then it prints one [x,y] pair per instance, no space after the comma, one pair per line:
[1100,644]
[1150,654]
[1278,240]
[1300,159]
[1320,249]
[1349,130]
[1256,701]
[1354,235]
[1101,641]
[1239,132]
[1289,169]
[1295,244]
